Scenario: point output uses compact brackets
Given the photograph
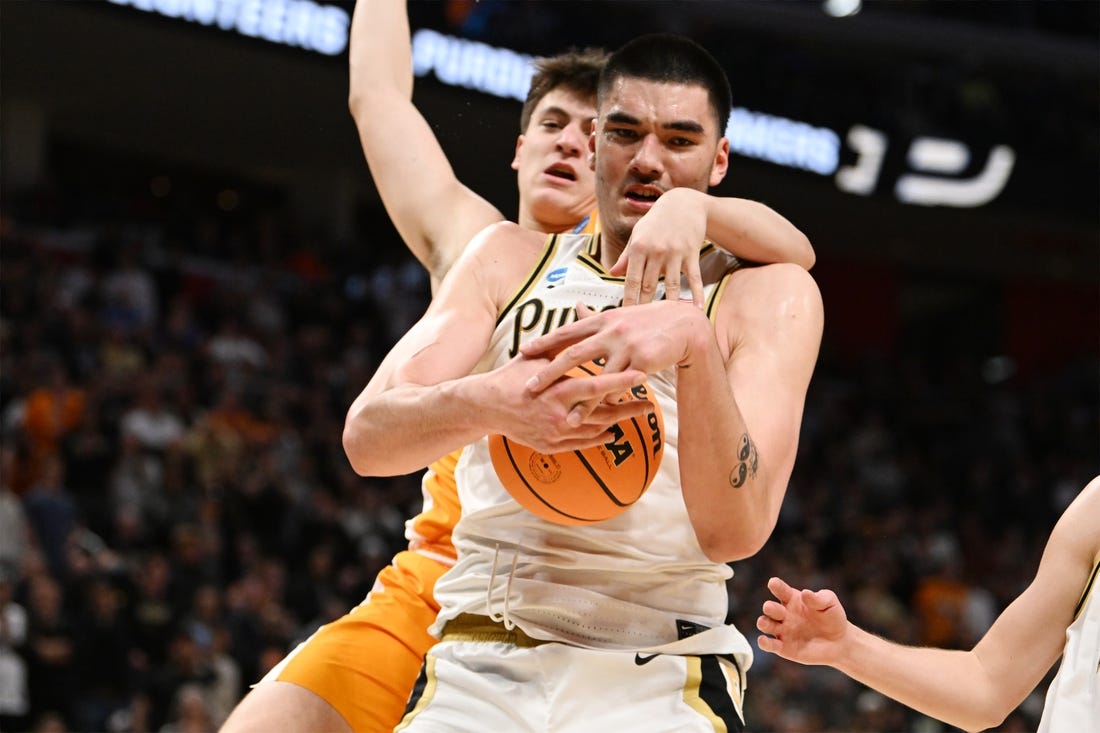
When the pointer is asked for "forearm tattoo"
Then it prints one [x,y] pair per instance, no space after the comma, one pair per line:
[747,463]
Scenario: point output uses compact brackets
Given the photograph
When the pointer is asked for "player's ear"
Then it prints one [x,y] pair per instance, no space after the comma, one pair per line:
[721,162]
[592,149]
[515,158]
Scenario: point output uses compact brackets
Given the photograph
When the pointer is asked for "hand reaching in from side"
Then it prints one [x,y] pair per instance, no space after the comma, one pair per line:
[803,626]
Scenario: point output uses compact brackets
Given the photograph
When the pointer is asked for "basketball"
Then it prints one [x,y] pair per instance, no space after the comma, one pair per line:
[590,485]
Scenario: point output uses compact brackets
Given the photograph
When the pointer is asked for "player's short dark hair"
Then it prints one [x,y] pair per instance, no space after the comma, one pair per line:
[671,59]
[577,71]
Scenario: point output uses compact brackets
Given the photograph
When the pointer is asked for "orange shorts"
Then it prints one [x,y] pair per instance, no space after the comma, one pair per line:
[365,663]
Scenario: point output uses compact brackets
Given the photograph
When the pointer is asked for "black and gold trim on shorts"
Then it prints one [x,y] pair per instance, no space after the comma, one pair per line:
[422,693]
[547,256]
[715,689]
[471,627]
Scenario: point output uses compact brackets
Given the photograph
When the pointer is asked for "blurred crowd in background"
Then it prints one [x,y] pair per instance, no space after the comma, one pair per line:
[176,511]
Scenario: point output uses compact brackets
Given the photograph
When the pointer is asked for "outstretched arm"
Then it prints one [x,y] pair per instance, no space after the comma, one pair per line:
[433,211]
[665,241]
[973,689]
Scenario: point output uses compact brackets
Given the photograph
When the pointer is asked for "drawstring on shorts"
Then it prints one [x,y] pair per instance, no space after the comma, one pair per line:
[501,618]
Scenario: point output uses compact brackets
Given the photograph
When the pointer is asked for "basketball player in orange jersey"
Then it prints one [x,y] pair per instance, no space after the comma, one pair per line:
[357,672]
[1058,614]
[618,625]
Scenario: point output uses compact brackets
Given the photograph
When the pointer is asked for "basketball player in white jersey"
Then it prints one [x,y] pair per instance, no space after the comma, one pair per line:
[356,672]
[620,625]
[1058,614]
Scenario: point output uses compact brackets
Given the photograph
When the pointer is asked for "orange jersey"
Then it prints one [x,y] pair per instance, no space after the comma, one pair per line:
[429,533]
[366,662]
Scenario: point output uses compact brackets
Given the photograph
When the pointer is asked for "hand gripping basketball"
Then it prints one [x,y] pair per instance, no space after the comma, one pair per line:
[590,485]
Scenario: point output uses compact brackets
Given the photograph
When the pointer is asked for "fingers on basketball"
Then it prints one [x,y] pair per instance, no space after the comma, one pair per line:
[593,484]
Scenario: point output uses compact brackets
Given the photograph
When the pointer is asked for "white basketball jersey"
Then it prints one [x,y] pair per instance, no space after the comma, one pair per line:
[1073,698]
[636,582]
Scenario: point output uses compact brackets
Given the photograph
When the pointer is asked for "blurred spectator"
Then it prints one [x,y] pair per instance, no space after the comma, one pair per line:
[50,412]
[14,695]
[14,528]
[186,666]
[232,346]
[104,646]
[130,298]
[50,722]
[190,712]
[52,513]
[51,650]
[152,613]
[227,688]
[150,421]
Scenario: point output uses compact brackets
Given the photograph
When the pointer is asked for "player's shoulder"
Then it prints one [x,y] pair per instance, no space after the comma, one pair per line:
[501,255]
[1078,529]
[507,233]
[776,273]
[774,283]
[1087,504]
[502,243]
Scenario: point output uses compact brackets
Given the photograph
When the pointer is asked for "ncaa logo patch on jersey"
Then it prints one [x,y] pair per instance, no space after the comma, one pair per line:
[555,276]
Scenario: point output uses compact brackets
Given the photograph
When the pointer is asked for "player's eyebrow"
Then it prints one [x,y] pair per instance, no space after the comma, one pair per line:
[622,118]
[684,126]
[681,125]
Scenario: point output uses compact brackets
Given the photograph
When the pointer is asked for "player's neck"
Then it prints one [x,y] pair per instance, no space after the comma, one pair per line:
[610,249]
[527,220]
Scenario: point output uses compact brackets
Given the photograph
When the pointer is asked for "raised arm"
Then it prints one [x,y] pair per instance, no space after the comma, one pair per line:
[433,211]
[665,242]
[973,689]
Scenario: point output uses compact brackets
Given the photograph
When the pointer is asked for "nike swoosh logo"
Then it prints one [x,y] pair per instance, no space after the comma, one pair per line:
[640,660]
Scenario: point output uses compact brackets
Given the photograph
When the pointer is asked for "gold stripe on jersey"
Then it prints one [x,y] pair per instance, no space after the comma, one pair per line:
[593,249]
[1088,588]
[536,273]
[590,258]
[711,306]
[597,269]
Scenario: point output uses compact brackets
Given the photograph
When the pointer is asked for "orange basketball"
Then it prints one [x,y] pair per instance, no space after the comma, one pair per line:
[585,486]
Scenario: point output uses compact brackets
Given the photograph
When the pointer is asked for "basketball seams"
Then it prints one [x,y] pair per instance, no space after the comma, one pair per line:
[599,480]
[645,453]
[562,487]
[584,368]
[523,477]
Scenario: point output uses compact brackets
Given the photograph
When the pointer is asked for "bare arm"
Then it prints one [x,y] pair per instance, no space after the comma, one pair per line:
[433,211]
[973,689]
[424,401]
[665,242]
[755,232]
[739,395]
[741,402]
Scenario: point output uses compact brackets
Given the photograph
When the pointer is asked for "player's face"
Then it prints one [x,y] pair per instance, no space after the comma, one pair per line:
[651,137]
[554,178]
